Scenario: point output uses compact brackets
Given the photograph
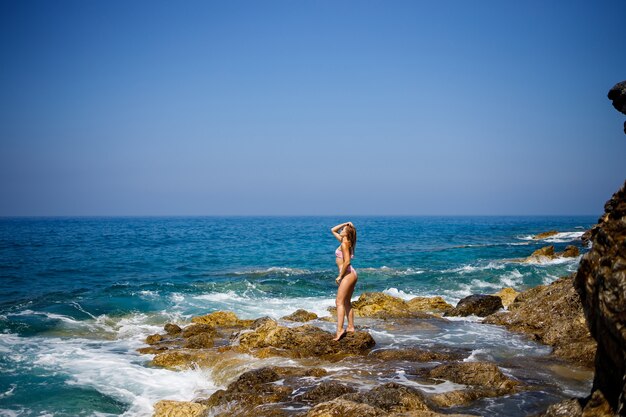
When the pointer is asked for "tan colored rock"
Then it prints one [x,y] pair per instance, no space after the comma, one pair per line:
[545,252]
[481,374]
[551,314]
[570,251]
[544,235]
[384,306]
[429,304]
[507,295]
[195,329]
[183,359]
[304,341]
[300,316]
[199,341]
[222,319]
[153,339]
[391,397]
[168,408]
[343,408]
[414,355]
[172,329]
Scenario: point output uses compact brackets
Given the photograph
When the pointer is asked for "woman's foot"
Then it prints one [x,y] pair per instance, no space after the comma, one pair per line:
[350,330]
[339,336]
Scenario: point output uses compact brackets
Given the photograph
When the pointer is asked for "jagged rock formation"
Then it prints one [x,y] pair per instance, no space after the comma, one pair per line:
[601,283]
[551,314]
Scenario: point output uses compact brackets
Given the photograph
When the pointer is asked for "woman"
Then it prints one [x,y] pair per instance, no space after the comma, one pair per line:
[347,276]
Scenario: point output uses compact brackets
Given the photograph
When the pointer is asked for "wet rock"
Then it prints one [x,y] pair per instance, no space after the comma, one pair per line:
[391,397]
[152,350]
[414,355]
[199,341]
[153,339]
[384,306]
[325,391]
[183,359]
[478,304]
[551,314]
[545,235]
[429,304]
[168,408]
[546,252]
[568,408]
[300,316]
[601,283]
[344,408]
[195,329]
[507,295]
[257,387]
[593,406]
[482,374]
[172,329]
[570,252]
[222,319]
[304,341]
[464,397]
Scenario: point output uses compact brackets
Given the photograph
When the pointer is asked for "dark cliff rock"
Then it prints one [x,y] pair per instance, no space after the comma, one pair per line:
[617,94]
[601,283]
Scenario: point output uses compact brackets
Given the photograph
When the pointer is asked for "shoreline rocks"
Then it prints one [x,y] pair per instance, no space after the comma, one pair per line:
[553,315]
[477,304]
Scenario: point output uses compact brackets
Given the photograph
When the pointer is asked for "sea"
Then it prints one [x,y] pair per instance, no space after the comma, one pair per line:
[79,295]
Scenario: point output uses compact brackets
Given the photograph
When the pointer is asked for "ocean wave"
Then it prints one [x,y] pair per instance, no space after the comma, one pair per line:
[560,237]
[473,268]
[386,270]
[274,270]
[545,261]
[97,365]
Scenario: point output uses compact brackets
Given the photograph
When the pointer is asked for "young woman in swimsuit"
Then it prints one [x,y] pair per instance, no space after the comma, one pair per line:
[347,276]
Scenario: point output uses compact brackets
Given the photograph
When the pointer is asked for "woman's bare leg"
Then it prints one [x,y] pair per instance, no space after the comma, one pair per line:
[344,307]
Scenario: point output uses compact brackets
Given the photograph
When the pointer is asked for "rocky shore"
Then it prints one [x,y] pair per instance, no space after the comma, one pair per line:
[292,374]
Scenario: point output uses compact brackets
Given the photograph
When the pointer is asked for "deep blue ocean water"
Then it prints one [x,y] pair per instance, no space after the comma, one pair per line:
[79,295]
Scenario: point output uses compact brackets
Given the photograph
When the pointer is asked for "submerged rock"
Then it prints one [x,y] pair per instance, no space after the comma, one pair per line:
[478,304]
[601,283]
[551,314]
[300,316]
[303,341]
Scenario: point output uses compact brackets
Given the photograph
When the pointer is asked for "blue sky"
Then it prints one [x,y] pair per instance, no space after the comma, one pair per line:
[309,107]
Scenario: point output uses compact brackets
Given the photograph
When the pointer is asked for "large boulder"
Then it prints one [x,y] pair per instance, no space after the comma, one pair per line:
[551,314]
[301,342]
[222,319]
[601,283]
[478,304]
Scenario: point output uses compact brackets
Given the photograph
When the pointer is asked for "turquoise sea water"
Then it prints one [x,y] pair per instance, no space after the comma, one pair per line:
[79,295]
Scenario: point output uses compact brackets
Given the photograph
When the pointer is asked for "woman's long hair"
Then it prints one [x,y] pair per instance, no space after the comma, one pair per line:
[351,235]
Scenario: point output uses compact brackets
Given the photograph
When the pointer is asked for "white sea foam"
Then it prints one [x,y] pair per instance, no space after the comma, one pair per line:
[560,237]
[446,386]
[544,261]
[399,293]
[112,367]
[254,307]
[386,270]
[8,392]
[281,270]
[473,268]
[512,279]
